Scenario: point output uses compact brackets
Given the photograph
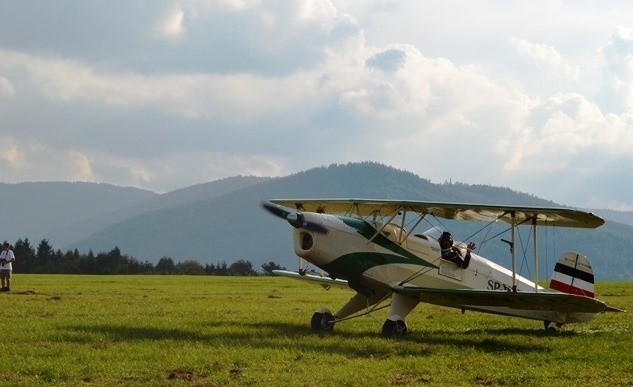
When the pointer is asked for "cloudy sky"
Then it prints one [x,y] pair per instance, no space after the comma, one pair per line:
[532,95]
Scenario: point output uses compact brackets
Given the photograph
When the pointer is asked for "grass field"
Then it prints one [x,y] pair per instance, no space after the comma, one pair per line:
[207,331]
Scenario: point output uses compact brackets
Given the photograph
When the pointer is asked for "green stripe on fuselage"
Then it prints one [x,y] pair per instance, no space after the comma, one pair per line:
[355,264]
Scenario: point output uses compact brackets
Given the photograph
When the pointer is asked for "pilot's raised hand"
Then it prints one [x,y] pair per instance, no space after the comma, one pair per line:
[471,246]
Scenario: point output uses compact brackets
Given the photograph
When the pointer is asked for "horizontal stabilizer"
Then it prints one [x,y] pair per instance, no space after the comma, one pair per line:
[542,301]
[317,279]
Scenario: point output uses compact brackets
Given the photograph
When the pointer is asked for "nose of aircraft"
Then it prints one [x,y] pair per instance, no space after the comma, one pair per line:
[296,219]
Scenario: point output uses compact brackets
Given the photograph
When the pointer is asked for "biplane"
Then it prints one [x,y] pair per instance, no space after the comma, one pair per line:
[371,247]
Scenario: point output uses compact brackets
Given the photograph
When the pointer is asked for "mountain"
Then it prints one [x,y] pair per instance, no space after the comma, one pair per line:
[233,226]
[77,231]
[33,209]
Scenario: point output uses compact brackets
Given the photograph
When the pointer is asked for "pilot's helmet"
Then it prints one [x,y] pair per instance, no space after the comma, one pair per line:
[446,240]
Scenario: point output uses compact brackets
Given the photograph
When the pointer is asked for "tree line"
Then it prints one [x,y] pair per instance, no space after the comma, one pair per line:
[44,259]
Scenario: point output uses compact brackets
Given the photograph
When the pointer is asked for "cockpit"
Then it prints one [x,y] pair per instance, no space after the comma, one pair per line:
[398,234]
[392,231]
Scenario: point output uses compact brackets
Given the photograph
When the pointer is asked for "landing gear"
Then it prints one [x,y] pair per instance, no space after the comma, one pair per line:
[322,320]
[394,327]
[401,306]
[556,328]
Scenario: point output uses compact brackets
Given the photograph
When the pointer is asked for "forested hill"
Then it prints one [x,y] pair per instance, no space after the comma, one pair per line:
[79,230]
[34,209]
[233,226]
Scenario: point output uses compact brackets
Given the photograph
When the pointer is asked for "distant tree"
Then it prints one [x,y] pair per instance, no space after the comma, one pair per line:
[210,269]
[72,262]
[242,267]
[165,265]
[45,252]
[57,262]
[270,266]
[44,249]
[219,269]
[135,266]
[223,269]
[189,267]
[109,263]
[89,263]
[46,259]
[25,256]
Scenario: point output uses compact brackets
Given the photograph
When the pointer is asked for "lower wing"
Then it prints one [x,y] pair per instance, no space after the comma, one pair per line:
[543,301]
[326,282]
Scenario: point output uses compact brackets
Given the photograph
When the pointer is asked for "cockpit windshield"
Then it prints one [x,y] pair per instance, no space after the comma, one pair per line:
[433,233]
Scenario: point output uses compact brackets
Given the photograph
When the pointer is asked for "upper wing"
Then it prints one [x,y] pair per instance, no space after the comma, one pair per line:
[544,301]
[552,216]
[326,282]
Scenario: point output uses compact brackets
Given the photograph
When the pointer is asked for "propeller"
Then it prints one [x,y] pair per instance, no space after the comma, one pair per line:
[296,219]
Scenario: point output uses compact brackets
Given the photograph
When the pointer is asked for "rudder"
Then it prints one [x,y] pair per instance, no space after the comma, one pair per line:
[573,274]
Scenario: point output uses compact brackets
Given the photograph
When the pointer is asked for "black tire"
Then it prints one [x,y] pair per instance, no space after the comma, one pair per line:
[554,329]
[322,321]
[394,328]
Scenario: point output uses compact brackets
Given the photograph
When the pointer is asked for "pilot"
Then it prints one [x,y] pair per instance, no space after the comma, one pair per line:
[454,253]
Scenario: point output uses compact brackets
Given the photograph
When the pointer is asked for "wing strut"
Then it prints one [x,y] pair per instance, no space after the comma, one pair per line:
[420,219]
[534,231]
[385,224]
[512,251]
[514,261]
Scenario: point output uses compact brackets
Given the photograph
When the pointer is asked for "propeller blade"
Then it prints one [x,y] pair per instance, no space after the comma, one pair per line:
[276,210]
[296,219]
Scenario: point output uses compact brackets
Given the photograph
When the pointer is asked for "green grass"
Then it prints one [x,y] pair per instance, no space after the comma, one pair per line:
[179,330]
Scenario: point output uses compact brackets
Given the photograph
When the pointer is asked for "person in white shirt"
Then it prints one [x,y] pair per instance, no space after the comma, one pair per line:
[6,258]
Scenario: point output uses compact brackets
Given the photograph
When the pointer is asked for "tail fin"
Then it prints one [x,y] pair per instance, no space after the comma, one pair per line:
[573,274]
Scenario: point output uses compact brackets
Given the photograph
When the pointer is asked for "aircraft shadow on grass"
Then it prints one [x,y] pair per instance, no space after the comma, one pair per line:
[269,334]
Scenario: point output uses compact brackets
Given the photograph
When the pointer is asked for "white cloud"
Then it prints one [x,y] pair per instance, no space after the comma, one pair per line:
[617,88]
[186,167]
[81,166]
[11,154]
[325,14]
[603,201]
[233,5]
[559,129]
[179,93]
[173,24]
[6,88]
[187,95]
[545,56]
[34,160]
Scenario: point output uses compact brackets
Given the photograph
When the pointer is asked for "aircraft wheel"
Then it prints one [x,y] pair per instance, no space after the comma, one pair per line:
[322,321]
[394,328]
[556,328]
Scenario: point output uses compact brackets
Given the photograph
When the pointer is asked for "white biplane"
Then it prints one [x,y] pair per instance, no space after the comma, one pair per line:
[364,245]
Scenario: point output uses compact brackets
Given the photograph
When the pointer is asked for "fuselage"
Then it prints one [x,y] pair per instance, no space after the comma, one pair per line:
[378,255]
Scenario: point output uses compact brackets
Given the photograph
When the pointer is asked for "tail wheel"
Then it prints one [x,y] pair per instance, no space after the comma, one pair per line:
[394,328]
[322,321]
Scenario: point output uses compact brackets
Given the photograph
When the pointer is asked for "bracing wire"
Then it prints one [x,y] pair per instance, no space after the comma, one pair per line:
[524,251]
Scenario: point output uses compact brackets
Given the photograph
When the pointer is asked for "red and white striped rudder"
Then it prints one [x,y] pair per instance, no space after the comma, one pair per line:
[573,274]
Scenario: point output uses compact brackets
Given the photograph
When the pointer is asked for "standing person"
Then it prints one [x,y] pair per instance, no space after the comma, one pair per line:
[6,258]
